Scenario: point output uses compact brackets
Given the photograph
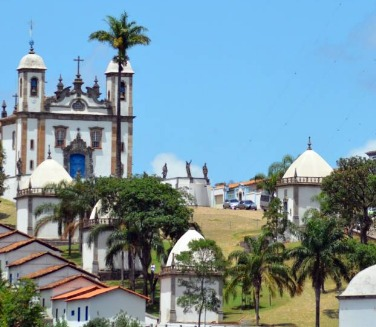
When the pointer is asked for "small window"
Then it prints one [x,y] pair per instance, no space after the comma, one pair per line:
[31,165]
[43,303]
[96,137]
[57,313]
[60,136]
[72,313]
[13,140]
[122,146]
[108,95]
[122,90]
[86,313]
[31,144]
[20,87]
[34,86]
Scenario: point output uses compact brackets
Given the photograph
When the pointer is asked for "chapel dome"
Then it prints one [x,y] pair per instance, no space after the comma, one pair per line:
[182,244]
[113,68]
[49,171]
[363,284]
[32,61]
[308,164]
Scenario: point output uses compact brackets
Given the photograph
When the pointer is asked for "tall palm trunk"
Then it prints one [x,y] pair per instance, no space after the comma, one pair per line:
[122,268]
[118,123]
[257,305]
[317,300]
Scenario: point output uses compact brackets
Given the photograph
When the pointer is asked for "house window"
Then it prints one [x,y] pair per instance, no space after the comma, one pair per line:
[10,278]
[31,144]
[57,313]
[86,313]
[34,87]
[72,313]
[31,165]
[78,314]
[43,303]
[122,90]
[60,135]
[96,137]
[13,140]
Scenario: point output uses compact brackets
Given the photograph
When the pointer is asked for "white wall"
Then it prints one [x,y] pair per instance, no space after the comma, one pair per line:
[357,312]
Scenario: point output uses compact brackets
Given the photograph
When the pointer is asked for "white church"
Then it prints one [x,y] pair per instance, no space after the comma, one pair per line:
[74,126]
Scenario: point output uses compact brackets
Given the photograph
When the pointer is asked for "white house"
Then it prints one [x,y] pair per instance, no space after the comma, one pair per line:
[65,285]
[74,124]
[301,183]
[169,277]
[52,273]
[20,250]
[358,302]
[80,306]
[11,237]
[34,262]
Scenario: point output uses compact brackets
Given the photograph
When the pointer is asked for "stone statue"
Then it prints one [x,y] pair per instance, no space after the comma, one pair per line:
[205,171]
[164,171]
[19,166]
[188,168]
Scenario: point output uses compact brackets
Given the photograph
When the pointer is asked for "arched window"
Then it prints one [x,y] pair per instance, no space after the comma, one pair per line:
[122,90]
[13,140]
[34,86]
[20,87]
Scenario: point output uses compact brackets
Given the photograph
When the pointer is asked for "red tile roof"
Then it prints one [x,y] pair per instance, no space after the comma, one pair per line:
[69,279]
[48,270]
[20,244]
[34,256]
[79,292]
[100,291]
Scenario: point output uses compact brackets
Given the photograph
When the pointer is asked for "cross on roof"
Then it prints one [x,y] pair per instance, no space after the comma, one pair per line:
[78,66]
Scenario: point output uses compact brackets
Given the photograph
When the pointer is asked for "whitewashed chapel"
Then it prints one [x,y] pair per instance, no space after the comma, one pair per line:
[74,126]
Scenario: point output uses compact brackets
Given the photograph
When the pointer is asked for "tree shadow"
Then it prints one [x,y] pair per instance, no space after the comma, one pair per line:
[331,313]
[4,215]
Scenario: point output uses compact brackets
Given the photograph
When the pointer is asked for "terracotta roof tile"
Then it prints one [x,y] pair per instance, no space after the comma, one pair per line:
[45,271]
[79,292]
[20,244]
[37,255]
[48,270]
[105,290]
[71,278]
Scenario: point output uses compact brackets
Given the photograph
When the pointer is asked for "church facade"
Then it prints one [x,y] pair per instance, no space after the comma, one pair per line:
[74,126]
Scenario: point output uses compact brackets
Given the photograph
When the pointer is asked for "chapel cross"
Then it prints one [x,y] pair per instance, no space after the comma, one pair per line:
[78,66]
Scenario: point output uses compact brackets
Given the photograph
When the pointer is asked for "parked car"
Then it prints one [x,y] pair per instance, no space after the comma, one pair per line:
[230,204]
[247,205]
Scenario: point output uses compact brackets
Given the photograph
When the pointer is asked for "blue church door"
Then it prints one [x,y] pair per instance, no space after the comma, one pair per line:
[77,164]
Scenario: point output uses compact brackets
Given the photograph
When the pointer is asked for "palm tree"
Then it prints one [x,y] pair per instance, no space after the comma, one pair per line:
[63,212]
[262,263]
[320,255]
[122,35]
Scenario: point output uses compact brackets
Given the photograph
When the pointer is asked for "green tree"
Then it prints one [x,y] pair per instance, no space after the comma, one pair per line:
[360,257]
[261,263]
[20,305]
[150,210]
[203,265]
[98,322]
[350,190]
[275,172]
[122,319]
[61,323]
[321,254]
[276,219]
[121,35]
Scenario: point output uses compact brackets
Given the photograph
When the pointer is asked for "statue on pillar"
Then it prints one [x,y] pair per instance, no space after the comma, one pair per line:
[164,171]
[205,171]
[19,166]
[188,168]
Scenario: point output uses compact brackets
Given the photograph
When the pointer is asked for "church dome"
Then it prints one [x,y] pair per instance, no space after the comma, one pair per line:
[49,171]
[363,284]
[113,68]
[32,61]
[182,244]
[308,164]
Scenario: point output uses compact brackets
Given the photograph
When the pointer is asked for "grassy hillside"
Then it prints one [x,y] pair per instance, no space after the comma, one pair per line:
[8,212]
[228,228]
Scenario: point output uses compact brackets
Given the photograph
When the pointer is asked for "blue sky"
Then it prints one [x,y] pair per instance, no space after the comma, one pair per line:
[236,84]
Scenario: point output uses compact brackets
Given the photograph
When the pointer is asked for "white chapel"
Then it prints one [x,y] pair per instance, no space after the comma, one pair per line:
[74,126]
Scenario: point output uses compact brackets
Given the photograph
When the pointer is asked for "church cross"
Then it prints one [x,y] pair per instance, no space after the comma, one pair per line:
[78,66]
[15,96]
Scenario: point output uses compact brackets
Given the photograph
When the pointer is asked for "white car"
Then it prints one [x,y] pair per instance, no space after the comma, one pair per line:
[230,204]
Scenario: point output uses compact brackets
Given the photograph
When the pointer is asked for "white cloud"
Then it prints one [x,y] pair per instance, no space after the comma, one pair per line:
[361,151]
[175,166]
